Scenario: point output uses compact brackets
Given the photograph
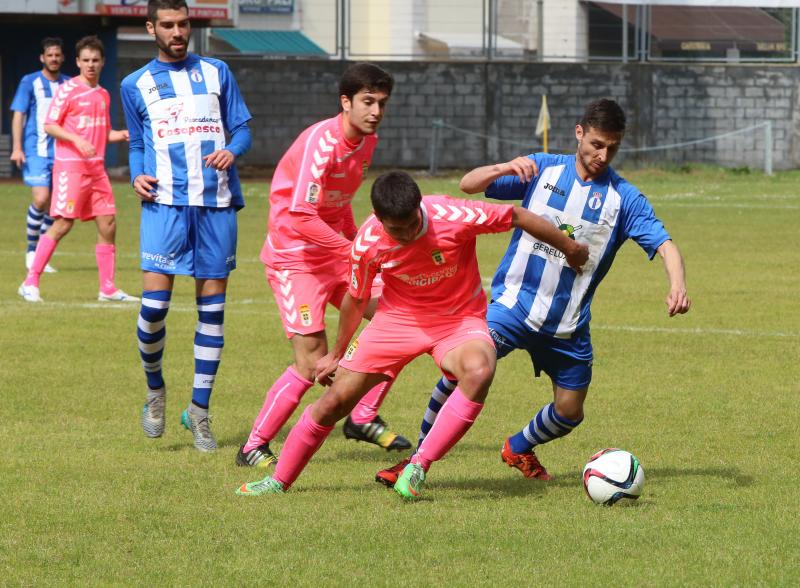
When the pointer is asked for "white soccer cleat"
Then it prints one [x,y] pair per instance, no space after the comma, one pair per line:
[29,293]
[30,256]
[117,296]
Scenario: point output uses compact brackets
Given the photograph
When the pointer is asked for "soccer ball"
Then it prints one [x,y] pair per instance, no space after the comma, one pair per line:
[613,474]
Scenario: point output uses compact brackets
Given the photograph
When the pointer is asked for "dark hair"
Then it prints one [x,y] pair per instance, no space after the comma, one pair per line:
[48,42]
[365,76]
[153,6]
[395,195]
[90,42]
[604,115]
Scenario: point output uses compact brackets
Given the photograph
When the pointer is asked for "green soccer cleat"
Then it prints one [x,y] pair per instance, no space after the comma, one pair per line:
[268,485]
[200,426]
[409,484]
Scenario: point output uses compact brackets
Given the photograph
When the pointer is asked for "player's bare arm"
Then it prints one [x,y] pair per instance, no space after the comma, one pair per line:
[17,124]
[118,136]
[677,300]
[221,159]
[479,179]
[84,146]
[144,186]
[351,313]
[577,253]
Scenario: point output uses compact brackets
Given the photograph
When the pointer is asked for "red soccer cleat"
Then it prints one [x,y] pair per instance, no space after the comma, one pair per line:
[527,463]
[388,477]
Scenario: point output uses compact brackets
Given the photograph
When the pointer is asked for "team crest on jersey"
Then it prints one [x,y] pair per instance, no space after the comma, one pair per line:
[595,200]
[437,256]
[196,76]
[351,351]
[567,229]
[312,193]
[305,314]
[70,206]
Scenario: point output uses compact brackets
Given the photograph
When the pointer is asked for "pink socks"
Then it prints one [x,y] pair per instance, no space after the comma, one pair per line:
[105,254]
[455,419]
[303,441]
[281,401]
[44,251]
[367,408]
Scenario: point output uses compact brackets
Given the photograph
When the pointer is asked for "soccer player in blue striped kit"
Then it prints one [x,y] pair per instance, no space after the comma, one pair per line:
[541,305]
[33,150]
[179,108]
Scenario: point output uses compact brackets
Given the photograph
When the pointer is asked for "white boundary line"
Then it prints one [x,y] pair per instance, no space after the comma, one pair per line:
[21,306]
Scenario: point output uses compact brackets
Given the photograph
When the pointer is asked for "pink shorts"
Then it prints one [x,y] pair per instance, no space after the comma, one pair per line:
[302,295]
[81,194]
[389,342]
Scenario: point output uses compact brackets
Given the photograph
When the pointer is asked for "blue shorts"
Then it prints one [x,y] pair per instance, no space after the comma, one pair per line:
[549,355]
[37,171]
[195,241]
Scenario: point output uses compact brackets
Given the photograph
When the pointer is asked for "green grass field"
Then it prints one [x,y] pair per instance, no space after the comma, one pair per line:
[708,402]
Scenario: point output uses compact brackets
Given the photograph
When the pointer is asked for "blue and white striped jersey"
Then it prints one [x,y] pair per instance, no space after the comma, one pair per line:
[33,97]
[177,113]
[533,279]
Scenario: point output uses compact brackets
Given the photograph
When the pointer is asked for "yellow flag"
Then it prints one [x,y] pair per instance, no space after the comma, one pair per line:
[543,124]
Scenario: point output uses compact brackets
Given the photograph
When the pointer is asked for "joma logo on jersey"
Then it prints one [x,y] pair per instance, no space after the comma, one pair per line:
[437,256]
[554,189]
[351,351]
[305,314]
[157,87]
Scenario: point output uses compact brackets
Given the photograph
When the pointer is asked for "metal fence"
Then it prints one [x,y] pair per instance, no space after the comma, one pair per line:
[538,30]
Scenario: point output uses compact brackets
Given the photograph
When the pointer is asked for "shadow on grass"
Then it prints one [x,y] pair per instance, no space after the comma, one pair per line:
[731,474]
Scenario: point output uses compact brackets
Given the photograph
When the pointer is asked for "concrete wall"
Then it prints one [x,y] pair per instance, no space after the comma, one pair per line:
[664,103]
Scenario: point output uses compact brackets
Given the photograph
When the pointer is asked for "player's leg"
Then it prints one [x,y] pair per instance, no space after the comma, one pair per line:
[364,423]
[213,234]
[469,355]
[103,210]
[209,340]
[37,173]
[314,426]
[301,297]
[571,378]
[151,333]
[29,289]
[164,253]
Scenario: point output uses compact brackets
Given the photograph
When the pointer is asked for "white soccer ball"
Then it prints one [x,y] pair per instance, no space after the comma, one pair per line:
[613,474]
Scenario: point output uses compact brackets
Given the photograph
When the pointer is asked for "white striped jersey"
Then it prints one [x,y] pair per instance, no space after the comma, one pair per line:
[533,279]
[33,97]
[178,113]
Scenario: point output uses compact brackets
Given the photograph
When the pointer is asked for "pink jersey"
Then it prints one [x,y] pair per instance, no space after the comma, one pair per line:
[437,273]
[84,111]
[318,177]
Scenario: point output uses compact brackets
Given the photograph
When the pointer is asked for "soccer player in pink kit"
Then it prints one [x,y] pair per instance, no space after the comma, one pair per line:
[433,302]
[307,251]
[79,120]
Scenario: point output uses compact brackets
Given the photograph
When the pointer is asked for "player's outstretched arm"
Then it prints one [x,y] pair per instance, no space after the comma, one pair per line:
[351,313]
[118,136]
[678,301]
[577,253]
[479,179]
[17,124]
[84,146]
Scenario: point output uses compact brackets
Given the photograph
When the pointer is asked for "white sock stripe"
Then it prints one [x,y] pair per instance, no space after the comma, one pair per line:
[207,353]
[529,437]
[211,307]
[152,347]
[543,435]
[149,327]
[203,381]
[439,396]
[151,303]
[210,330]
[448,384]
[430,416]
[153,366]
